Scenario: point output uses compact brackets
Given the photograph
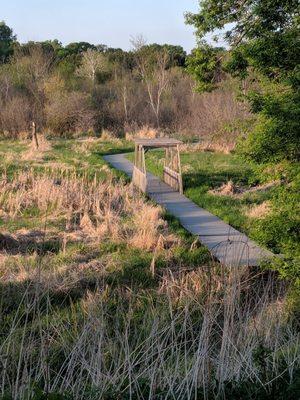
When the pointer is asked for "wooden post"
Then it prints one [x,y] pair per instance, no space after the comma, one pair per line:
[34,136]
[179,171]
[144,162]
[138,157]
[135,155]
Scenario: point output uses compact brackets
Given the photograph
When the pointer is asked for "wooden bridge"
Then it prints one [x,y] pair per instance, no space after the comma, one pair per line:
[225,243]
[172,167]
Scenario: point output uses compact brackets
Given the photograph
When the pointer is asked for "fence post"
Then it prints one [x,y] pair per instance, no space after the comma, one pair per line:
[34,135]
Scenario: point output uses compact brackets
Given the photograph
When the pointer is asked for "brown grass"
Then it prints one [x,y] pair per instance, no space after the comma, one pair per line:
[230,189]
[196,332]
[208,146]
[33,154]
[98,210]
[227,189]
[145,132]
[260,211]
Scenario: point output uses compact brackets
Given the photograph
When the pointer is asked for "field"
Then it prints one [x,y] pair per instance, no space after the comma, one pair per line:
[103,296]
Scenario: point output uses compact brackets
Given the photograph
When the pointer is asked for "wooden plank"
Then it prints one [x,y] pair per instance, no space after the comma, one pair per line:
[171,178]
[139,179]
[158,142]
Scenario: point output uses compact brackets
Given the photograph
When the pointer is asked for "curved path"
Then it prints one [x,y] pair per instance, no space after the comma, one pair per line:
[225,243]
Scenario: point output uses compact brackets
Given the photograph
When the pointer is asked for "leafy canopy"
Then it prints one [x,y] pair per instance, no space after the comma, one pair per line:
[7,38]
[264,40]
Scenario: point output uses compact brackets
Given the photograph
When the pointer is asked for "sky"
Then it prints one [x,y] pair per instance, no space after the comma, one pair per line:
[110,22]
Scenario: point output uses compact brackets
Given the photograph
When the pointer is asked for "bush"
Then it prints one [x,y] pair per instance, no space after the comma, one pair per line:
[70,112]
[275,136]
[279,230]
[15,115]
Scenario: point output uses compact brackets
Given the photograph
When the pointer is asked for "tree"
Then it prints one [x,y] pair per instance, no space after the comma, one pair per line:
[263,36]
[92,64]
[7,39]
[152,67]
[204,64]
[30,72]
[177,55]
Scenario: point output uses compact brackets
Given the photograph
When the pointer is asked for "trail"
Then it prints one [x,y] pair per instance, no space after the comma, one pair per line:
[225,243]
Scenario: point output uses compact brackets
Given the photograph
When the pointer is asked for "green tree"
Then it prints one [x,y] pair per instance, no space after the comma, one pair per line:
[176,54]
[7,39]
[263,36]
[204,64]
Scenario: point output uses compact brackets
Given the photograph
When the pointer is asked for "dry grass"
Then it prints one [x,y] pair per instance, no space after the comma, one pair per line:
[227,189]
[145,132]
[259,211]
[108,135]
[230,189]
[208,146]
[198,335]
[34,154]
[98,210]
[184,339]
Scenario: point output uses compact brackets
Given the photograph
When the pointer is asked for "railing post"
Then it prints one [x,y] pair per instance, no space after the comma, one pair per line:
[179,171]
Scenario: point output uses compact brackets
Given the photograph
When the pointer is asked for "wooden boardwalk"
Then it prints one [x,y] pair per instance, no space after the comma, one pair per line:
[225,243]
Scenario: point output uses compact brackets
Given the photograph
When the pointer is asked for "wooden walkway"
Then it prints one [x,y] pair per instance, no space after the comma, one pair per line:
[225,243]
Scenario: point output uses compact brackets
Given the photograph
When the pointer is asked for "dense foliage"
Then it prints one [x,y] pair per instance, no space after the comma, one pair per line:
[6,42]
[264,45]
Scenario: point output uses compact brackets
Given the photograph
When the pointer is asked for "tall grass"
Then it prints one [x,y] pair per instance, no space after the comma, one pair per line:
[200,331]
[66,329]
[93,209]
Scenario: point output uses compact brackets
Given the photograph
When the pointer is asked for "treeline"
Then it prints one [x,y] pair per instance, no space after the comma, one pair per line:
[85,87]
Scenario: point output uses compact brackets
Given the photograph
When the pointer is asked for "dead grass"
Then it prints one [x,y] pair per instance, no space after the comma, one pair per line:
[227,189]
[34,154]
[109,136]
[98,210]
[259,211]
[208,146]
[145,132]
[195,333]
[230,189]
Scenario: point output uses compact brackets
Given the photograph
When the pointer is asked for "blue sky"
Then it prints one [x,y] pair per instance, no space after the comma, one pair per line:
[110,22]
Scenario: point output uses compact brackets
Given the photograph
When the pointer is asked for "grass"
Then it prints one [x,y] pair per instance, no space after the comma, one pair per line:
[82,157]
[206,171]
[104,296]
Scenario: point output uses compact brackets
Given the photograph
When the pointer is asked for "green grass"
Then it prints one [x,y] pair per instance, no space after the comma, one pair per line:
[204,171]
[66,153]
[127,262]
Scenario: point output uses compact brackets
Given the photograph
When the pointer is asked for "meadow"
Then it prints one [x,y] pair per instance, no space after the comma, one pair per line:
[104,296]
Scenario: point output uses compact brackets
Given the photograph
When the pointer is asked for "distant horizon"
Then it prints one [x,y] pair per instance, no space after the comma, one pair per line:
[113,24]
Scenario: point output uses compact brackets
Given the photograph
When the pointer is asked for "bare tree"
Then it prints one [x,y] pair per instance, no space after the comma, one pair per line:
[93,62]
[152,68]
[32,70]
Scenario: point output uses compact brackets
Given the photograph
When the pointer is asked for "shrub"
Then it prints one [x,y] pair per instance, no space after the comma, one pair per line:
[15,115]
[275,136]
[70,112]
